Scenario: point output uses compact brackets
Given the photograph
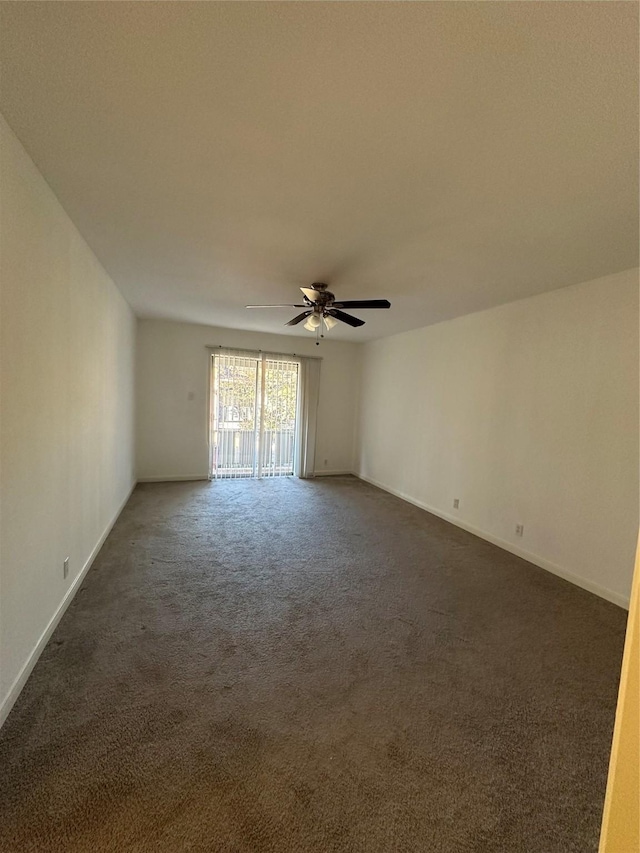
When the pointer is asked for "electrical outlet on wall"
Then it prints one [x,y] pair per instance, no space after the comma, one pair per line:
[519,529]
[65,568]
[456,503]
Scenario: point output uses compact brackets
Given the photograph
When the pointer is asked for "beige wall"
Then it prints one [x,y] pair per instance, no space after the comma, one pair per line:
[66,439]
[527,413]
[172,381]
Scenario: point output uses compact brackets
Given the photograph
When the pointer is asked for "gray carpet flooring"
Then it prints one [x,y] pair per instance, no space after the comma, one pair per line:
[296,666]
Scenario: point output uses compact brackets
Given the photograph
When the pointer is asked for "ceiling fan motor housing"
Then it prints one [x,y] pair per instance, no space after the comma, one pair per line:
[325,297]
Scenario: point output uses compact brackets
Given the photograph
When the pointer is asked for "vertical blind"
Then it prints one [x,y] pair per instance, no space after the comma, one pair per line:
[263,414]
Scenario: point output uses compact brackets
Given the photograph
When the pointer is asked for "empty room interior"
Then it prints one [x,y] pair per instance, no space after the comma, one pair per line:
[319,427]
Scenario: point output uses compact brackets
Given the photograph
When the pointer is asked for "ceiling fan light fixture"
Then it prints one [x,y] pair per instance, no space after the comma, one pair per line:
[329,321]
[313,321]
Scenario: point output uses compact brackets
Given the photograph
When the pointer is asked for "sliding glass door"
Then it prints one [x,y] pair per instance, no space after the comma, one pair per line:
[253,415]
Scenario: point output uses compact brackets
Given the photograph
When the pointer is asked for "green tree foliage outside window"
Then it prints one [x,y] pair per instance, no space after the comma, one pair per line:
[237,393]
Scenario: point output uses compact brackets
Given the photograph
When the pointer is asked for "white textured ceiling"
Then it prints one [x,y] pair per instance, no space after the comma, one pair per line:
[447,156]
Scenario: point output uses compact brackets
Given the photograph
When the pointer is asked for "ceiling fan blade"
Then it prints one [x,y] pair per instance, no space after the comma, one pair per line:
[299,318]
[363,303]
[311,293]
[346,318]
[275,306]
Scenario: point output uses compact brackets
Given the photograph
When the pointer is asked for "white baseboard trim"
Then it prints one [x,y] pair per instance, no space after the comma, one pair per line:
[21,679]
[194,479]
[590,586]
[173,479]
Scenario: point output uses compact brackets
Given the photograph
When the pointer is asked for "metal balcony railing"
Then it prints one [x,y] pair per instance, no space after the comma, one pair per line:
[236,453]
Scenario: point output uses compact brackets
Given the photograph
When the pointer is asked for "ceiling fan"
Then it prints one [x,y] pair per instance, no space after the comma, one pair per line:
[321,307]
